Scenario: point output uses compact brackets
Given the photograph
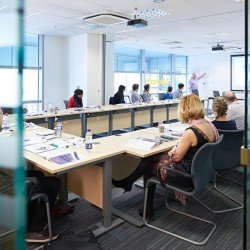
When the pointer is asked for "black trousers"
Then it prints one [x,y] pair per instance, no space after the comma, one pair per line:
[50,185]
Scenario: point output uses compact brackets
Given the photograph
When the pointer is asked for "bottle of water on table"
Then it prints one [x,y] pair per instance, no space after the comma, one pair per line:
[88,140]
[6,122]
[59,129]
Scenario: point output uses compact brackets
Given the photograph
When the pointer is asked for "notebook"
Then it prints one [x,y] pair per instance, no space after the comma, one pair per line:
[143,143]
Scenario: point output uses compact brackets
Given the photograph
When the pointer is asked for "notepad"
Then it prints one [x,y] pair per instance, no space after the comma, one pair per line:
[33,140]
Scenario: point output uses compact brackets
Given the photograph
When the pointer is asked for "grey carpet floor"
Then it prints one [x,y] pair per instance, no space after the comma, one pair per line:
[228,235]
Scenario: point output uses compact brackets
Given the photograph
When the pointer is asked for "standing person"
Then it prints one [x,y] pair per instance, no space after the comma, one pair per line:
[178,94]
[146,95]
[76,100]
[222,121]
[200,132]
[119,96]
[135,97]
[236,110]
[169,94]
[193,83]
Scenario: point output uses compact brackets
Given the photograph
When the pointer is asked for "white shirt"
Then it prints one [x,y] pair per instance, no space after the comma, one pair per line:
[236,112]
[193,83]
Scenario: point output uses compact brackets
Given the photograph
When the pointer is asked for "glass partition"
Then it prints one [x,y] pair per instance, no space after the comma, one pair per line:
[12,175]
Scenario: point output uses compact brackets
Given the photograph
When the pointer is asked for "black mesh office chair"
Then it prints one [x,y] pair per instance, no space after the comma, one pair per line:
[202,173]
[111,100]
[66,103]
[225,157]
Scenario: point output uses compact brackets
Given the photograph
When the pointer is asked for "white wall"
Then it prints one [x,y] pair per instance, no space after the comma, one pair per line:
[94,69]
[54,71]
[75,65]
[217,67]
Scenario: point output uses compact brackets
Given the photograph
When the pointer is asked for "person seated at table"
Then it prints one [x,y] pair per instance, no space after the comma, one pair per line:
[135,97]
[76,100]
[1,118]
[222,121]
[119,96]
[178,94]
[169,94]
[200,132]
[146,96]
[236,109]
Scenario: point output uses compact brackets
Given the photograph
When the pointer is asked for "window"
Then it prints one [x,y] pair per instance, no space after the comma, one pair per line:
[32,72]
[158,69]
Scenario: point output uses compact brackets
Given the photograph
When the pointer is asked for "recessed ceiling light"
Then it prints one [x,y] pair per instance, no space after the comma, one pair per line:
[217,34]
[158,1]
[91,26]
[152,13]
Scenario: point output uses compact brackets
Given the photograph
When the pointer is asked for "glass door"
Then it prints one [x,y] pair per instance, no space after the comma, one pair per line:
[12,178]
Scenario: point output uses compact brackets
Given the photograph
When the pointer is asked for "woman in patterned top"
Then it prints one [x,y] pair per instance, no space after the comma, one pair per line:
[180,157]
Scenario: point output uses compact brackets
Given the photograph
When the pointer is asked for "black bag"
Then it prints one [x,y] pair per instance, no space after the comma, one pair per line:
[78,241]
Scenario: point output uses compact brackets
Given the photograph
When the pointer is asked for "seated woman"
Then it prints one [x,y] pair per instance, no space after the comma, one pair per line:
[169,94]
[180,157]
[76,100]
[221,121]
[119,96]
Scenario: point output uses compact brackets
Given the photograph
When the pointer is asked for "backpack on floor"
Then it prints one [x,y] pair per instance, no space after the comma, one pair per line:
[84,240]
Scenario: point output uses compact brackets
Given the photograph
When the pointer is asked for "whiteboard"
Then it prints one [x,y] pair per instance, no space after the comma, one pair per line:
[238,72]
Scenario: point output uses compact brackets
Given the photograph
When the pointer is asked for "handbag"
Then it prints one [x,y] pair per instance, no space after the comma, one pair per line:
[84,240]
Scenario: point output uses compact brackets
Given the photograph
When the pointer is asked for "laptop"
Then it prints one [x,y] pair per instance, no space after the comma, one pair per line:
[216,93]
[127,99]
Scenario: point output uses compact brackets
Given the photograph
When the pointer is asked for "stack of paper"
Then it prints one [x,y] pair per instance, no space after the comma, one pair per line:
[33,140]
[142,143]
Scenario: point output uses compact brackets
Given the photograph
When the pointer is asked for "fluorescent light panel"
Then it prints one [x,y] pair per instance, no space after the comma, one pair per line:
[217,34]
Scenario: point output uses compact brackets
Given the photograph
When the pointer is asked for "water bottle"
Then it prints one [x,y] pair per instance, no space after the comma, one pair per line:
[59,129]
[50,108]
[88,139]
[6,122]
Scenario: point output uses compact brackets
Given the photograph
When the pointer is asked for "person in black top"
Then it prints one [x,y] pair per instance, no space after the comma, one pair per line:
[119,96]
[221,121]
[200,132]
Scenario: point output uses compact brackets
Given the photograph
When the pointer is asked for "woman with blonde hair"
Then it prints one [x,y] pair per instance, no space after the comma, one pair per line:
[222,121]
[180,157]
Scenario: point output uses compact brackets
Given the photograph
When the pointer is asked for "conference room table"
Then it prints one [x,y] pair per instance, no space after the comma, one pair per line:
[90,177]
[107,118]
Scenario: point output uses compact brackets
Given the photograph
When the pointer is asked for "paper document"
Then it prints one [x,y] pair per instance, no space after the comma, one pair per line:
[33,140]
[142,143]
[62,156]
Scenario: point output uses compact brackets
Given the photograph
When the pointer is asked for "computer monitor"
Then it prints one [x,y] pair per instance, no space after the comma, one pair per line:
[216,93]
[161,96]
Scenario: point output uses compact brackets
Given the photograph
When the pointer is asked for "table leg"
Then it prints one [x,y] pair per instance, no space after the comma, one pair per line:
[167,113]
[132,112]
[110,132]
[151,116]
[63,195]
[84,124]
[108,224]
[51,122]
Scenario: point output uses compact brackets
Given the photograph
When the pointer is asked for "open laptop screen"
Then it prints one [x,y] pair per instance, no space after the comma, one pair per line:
[216,93]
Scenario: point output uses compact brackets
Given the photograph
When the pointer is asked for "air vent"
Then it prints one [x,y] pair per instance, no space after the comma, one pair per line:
[105,19]
[152,13]
[172,42]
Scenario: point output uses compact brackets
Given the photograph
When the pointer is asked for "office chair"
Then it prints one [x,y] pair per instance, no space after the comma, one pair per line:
[202,173]
[65,103]
[111,100]
[226,156]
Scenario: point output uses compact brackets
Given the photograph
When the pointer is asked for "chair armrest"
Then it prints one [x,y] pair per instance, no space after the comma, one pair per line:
[41,196]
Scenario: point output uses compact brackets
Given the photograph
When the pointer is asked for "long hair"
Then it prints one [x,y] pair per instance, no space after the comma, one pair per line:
[77,99]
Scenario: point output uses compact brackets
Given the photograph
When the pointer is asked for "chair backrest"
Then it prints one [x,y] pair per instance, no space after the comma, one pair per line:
[65,103]
[202,168]
[111,100]
[227,154]
[161,96]
[127,99]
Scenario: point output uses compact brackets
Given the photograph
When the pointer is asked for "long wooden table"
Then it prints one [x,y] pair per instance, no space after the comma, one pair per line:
[108,118]
[90,178]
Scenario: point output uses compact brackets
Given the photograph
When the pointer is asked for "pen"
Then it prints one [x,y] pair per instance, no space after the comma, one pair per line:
[54,145]
[76,155]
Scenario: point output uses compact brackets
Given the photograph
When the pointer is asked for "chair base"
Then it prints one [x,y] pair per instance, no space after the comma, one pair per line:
[184,214]
[241,206]
[235,182]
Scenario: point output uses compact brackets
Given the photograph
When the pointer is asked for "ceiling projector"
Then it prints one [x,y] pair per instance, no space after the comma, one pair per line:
[217,47]
[138,23]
